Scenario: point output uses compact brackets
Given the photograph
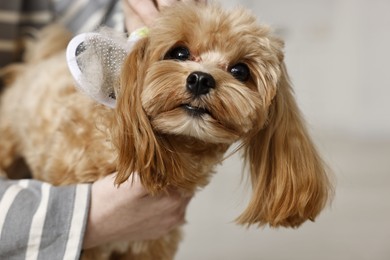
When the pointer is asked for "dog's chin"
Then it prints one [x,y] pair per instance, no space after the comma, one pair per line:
[194,122]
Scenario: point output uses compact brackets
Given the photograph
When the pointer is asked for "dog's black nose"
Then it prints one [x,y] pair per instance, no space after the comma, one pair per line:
[200,83]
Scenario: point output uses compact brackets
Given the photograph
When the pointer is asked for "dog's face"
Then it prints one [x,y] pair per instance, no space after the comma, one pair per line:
[209,74]
[216,77]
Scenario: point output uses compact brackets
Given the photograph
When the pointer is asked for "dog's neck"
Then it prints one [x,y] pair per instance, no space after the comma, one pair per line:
[192,161]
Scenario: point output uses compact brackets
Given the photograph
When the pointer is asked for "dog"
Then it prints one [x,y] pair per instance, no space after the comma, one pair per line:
[201,80]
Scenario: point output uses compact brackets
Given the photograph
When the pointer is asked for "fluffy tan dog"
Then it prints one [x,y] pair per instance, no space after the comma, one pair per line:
[202,79]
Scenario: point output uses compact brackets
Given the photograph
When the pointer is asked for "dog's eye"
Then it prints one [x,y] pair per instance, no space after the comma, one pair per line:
[240,71]
[178,53]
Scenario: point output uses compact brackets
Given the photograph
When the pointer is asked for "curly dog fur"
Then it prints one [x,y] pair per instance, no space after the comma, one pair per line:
[159,129]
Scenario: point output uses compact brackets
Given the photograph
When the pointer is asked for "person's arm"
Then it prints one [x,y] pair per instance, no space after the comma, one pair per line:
[40,220]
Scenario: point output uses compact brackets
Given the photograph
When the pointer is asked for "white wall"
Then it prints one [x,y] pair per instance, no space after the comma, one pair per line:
[338,56]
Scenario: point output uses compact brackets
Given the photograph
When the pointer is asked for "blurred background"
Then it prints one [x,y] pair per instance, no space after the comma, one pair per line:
[337,54]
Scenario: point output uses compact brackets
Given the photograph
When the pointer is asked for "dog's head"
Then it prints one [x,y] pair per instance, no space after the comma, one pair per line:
[218,77]
[209,74]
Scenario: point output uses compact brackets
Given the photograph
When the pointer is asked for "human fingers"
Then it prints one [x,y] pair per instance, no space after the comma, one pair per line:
[199,1]
[178,216]
[161,3]
[170,220]
[146,10]
[132,20]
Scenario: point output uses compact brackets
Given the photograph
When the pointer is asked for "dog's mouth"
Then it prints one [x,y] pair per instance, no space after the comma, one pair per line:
[195,111]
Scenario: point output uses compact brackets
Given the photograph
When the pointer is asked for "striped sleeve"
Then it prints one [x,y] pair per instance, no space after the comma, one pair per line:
[86,15]
[19,18]
[40,221]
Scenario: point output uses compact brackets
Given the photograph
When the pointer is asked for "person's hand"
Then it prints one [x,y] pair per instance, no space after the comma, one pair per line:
[140,13]
[129,213]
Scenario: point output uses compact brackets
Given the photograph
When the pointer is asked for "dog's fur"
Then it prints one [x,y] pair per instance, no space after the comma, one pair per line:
[66,138]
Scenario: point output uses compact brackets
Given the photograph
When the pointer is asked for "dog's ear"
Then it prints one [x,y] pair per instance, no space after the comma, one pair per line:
[138,147]
[289,179]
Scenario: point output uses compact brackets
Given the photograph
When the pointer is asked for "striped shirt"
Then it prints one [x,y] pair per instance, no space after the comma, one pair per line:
[38,220]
